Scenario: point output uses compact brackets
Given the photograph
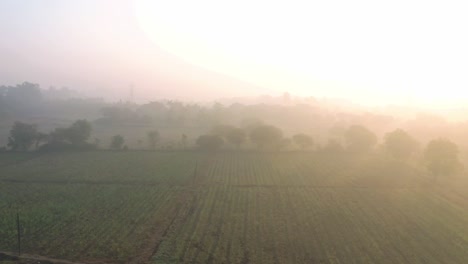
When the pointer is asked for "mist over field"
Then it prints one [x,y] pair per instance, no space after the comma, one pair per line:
[141,131]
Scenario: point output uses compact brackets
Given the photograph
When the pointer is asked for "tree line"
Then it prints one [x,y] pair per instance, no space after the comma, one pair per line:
[440,155]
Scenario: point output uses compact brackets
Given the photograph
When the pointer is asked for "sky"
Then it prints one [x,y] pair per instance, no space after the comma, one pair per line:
[369,52]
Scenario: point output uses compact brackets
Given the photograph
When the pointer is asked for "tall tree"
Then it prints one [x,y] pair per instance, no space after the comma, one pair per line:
[266,136]
[117,142]
[153,138]
[359,139]
[183,141]
[236,136]
[25,93]
[79,132]
[400,144]
[22,136]
[441,156]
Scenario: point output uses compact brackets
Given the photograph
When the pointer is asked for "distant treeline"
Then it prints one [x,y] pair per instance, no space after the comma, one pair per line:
[290,124]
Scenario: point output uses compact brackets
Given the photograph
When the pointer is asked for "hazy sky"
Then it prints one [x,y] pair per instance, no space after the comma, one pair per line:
[373,52]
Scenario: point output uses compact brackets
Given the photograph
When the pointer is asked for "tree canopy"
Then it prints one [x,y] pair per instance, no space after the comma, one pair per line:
[400,144]
[359,139]
[266,136]
[441,156]
[210,142]
[79,132]
[117,142]
[236,136]
[23,136]
[153,138]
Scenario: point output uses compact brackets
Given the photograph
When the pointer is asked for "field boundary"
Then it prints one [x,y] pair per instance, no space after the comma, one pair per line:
[14,257]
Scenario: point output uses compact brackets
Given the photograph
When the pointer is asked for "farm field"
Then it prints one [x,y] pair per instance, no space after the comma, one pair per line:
[228,207]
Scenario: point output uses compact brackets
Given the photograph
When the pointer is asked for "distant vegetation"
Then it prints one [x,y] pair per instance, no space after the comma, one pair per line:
[170,125]
[289,181]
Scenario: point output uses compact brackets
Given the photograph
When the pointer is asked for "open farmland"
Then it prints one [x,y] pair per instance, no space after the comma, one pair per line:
[228,207]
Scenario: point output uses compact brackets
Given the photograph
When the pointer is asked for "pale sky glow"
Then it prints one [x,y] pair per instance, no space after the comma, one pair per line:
[370,52]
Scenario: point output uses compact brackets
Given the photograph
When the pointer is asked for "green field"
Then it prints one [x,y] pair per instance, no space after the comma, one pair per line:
[228,207]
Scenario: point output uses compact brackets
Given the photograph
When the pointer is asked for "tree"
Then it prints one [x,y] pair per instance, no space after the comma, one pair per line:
[266,136]
[117,142]
[183,141]
[231,134]
[153,138]
[359,139]
[22,136]
[25,93]
[78,132]
[210,142]
[441,156]
[236,136]
[303,141]
[400,144]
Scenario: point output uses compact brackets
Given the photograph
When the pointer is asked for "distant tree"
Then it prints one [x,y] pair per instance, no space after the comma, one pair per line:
[79,132]
[400,144]
[303,141]
[210,142]
[236,136]
[441,156]
[117,142]
[26,93]
[266,136]
[359,139]
[332,147]
[22,136]
[183,141]
[153,138]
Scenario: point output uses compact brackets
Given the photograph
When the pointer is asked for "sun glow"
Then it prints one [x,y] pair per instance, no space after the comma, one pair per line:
[369,51]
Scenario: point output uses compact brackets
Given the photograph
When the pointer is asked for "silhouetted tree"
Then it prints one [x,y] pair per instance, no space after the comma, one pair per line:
[400,144]
[236,136]
[22,136]
[25,93]
[210,142]
[359,139]
[303,141]
[117,142]
[441,156]
[153,138]
[79,132]
[73,137]
[266,136]
[183,141]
